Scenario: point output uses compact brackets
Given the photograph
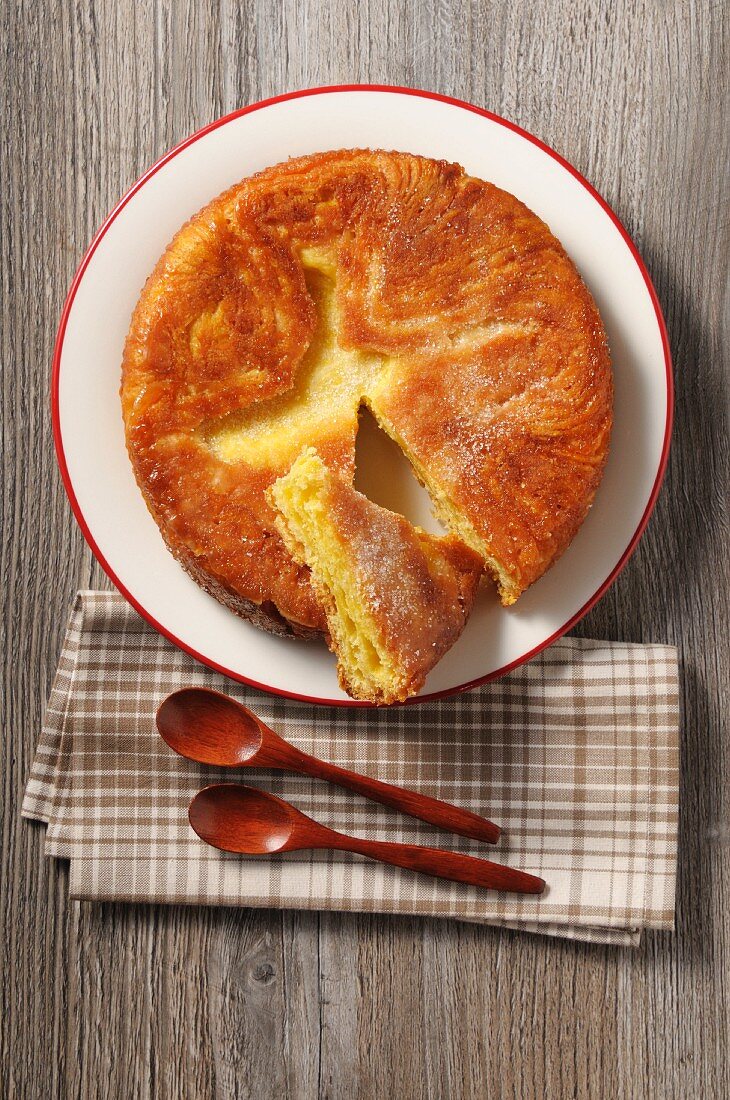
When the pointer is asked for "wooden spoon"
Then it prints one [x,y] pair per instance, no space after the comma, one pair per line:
[251,822]
[210,728]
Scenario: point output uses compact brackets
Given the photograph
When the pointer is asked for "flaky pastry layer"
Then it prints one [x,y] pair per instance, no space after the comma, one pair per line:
[396,598]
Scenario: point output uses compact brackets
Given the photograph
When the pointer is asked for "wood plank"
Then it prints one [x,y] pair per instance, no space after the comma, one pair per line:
[118,1001]
[169,1002]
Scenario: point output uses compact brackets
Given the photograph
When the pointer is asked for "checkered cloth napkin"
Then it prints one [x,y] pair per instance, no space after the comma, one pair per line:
[574,754]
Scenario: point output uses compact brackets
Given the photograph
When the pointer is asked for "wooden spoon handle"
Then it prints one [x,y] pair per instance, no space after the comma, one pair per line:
[432,810]
[442,864]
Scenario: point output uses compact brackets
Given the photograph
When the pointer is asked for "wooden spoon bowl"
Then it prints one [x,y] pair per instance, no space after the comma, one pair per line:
[211,728]
[242,819]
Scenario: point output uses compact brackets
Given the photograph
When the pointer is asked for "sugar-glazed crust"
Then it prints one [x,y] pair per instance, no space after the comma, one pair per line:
[452,312]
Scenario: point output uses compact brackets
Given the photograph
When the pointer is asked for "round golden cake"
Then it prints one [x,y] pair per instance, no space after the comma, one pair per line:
[364,277]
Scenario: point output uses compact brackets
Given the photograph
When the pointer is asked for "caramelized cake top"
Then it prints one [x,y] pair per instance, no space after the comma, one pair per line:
[355,277]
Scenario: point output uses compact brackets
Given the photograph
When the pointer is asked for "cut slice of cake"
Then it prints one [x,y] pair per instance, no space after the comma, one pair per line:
[396,598]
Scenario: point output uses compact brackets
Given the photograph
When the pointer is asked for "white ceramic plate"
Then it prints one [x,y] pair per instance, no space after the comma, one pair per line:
[88,424]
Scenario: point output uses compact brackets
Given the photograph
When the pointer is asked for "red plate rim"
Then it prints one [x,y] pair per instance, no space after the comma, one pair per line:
[58,350]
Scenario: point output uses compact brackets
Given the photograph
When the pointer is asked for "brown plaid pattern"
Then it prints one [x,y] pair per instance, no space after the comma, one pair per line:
[575,754]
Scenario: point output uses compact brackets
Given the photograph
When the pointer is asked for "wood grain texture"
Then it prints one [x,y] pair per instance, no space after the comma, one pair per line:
[112,1001]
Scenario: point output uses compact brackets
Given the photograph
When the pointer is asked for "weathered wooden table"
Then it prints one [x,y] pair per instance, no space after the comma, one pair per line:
[110,1001]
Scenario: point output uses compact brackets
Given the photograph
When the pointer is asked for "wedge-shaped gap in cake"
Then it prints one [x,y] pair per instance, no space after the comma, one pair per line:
[384,475]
